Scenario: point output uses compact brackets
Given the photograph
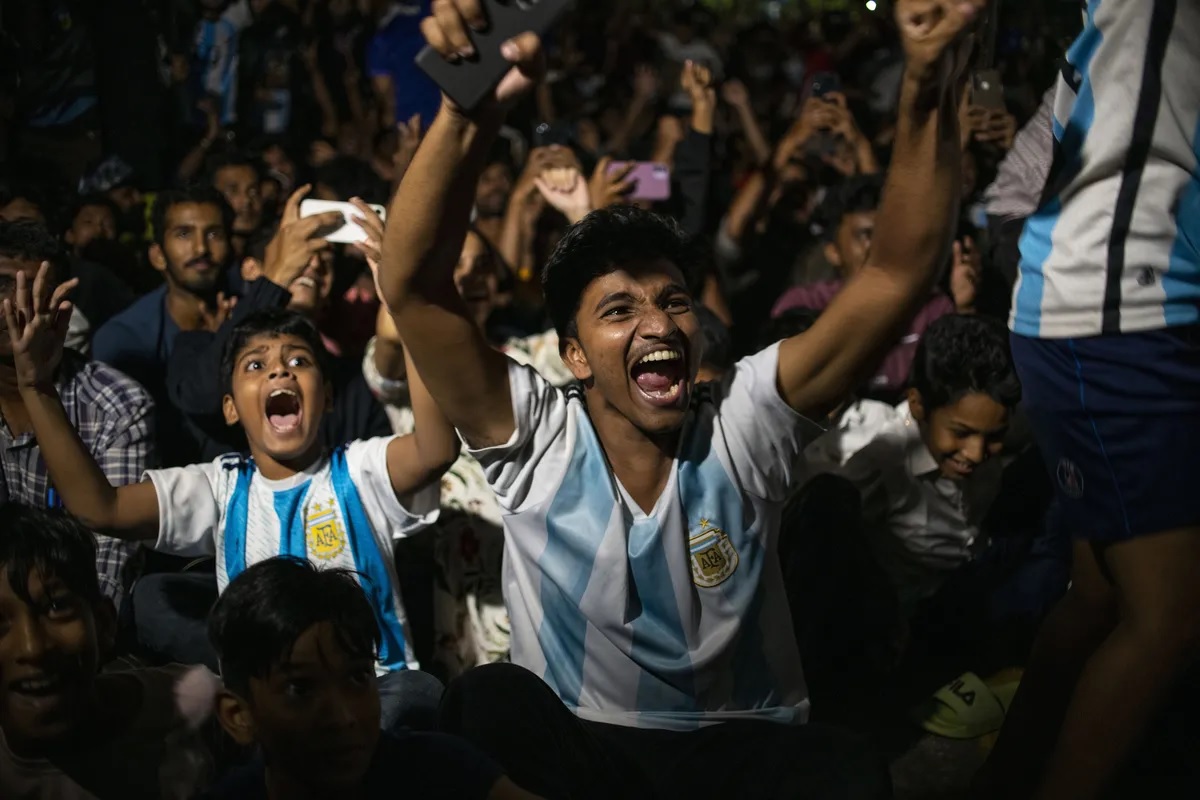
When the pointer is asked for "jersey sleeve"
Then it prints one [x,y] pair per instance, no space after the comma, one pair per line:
[189,507]
[765,436]
[390,515]
[529,466]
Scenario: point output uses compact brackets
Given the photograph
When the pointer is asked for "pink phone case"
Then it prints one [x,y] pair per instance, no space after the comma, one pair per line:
[651,181]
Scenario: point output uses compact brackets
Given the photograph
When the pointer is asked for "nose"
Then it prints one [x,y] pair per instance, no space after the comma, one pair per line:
[279,371]
[28,638]
[974,450]
[656,323]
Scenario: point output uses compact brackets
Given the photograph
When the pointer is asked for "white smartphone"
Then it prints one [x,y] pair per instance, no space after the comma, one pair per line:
[350,232]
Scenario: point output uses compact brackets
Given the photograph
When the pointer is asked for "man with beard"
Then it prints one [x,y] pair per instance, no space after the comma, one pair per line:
[491,197]
[237,178]
[191,248]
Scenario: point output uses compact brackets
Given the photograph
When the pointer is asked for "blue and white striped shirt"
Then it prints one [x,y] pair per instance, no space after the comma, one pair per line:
[672,619]
[340,513]
[1115,243]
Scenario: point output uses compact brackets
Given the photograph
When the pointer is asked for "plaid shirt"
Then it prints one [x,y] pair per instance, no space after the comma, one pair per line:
[115,419]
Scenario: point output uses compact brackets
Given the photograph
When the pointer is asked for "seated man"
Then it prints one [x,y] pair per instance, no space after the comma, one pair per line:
[650,625]
[291,496]
[113,415]
[66,730]
[297,648]
[191,249]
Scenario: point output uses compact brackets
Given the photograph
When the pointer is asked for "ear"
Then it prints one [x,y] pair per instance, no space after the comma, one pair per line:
[230,411]
[916,405]
[234,715]
[251,269]
[576,360]
[157,259]
[832,255]
[105,614]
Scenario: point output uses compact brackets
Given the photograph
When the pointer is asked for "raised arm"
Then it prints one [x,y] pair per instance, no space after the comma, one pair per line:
[427,223]
[37,326]
[916,220]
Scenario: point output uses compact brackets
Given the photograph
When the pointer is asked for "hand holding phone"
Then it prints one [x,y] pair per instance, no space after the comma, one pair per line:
[465,57]
[650,181]
[349,232]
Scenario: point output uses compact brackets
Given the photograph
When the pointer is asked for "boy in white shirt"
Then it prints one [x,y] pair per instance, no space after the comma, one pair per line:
[290,497]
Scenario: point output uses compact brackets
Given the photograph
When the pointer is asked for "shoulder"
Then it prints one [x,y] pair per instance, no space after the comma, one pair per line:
[128,327]
[813,296]
[108,392]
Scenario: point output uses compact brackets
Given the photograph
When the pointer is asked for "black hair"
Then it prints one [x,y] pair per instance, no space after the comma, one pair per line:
[257,243]
[963,354]
[790,323]
[718,344]
[605,241]
[272,322]
[197,193]
[857,195]
[52,542]
[263,611]
[31,240]
[229,158]
[347,176]
[87,201]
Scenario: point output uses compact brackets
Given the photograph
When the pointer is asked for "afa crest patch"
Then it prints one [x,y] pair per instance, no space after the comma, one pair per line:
[714,557]
[324,535]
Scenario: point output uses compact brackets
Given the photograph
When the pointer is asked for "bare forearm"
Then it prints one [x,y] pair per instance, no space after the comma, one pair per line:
[921,193]
[755,137]
[437,443]
[83,487]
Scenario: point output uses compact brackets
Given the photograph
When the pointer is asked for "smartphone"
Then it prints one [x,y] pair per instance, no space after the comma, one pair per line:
[987,90]
[825,83]
[469,81]
[348,233]
[651,181]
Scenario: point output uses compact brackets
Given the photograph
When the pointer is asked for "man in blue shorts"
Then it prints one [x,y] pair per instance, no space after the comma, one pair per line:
[1106,337]
[652,641]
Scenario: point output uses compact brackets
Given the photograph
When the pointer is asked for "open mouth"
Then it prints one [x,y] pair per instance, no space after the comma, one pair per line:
[283,411]
[306,282]
[961,467]
[44,692]
[660,376]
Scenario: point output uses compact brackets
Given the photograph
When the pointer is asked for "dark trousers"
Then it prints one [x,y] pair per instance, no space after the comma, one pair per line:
[510,714]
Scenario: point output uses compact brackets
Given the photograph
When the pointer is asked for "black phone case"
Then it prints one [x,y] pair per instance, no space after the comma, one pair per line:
[468,82]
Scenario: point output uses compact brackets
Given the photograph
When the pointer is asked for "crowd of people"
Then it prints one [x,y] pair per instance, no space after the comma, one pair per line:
[655,431]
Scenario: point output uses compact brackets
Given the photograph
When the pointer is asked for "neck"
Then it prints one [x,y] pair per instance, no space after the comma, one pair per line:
[641,461]
[186,308]
[274,469]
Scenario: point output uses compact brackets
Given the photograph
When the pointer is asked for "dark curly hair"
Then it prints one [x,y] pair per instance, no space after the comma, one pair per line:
[31,240]
[196,193]
[603,242]
[960,355]
[858,195]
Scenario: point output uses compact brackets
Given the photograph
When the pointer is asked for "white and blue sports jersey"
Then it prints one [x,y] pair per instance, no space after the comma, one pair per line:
[339,513]
[672,619]
[1115,243]
[216,64]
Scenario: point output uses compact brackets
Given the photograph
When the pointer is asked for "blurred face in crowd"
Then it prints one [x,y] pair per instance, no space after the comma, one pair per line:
[315,715]
[49,657]
[639,344]
[491,195]
[963,435]
[279,162]
[20,208]
[278,395]
[475,277]
[240,185]
[10,267]
[194,248]
[851,243]
[311,290]
[90,224]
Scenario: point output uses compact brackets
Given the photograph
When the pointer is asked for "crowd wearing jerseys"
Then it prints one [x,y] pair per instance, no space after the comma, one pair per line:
[656,430]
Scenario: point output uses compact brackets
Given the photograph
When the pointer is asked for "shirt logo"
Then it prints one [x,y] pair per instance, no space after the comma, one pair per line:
[1070,479]
[714,558]
[325,538]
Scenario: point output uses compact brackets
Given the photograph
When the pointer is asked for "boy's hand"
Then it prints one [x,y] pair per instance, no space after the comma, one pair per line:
[930,30]
[696,80]
[213,317]
[294,245]
[37,327]
[372,248]
[611,188]
[446,32]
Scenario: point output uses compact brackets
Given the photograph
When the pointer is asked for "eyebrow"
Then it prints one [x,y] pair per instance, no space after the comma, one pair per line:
[612,297]
[258,351]
[964,426]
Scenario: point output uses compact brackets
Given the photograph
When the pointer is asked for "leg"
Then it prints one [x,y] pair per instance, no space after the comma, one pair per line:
[1072,631]
[510,714]
[409,699]
[1158,581]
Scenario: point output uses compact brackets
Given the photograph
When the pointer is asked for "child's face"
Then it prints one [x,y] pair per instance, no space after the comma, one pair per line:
[278,395]
[49,656]
[316,715]
[963,435]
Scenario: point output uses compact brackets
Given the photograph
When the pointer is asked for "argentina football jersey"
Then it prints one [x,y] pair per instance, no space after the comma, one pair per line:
[340,513]
[670,619]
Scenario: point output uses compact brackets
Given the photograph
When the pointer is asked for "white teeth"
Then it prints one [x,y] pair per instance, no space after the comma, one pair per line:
[279,392]
[305,281]
[660,355]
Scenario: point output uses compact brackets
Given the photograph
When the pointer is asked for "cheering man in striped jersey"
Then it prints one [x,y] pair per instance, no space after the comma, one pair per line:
[641,511]
[1106,337]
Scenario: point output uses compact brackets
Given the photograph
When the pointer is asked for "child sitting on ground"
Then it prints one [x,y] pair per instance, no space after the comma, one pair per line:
[297,646]
[290,497]
[67,731]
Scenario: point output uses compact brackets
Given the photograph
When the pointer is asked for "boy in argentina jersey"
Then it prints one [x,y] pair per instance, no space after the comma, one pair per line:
[653,647]
[290,497]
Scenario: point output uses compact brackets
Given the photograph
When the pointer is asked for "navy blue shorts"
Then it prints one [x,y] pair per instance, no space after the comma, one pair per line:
[1118,422]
